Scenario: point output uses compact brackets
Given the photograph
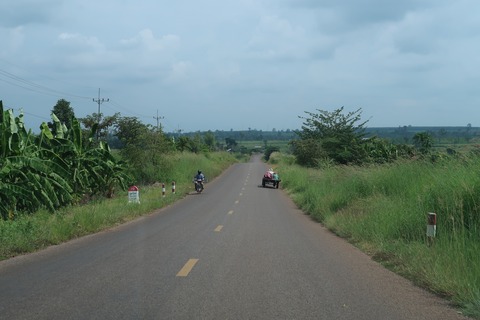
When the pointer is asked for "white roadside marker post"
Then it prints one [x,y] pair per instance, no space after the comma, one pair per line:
[133,195]
[431,227]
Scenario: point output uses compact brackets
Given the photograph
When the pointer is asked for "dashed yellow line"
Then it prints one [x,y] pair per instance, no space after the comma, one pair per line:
[219,228]
[187,268]
[237,202]
[230,212]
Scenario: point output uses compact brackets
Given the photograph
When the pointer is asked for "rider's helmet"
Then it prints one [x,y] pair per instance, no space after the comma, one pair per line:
[199,172]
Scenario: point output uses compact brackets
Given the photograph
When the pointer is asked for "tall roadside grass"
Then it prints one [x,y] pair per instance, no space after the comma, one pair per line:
[383,210]
[29,233]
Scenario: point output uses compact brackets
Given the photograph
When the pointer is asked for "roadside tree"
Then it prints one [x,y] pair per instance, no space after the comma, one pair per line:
[334,135]
[64,112]
[91,122]
[423,141]
[143,147]
[209,140]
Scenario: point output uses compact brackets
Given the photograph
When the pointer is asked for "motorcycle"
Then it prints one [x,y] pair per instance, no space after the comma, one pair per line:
[198,185]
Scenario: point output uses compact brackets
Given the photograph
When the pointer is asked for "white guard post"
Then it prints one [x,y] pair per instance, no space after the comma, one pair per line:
[133,195]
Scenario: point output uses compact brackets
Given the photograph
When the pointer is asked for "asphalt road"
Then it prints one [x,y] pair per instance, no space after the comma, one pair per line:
[236,251]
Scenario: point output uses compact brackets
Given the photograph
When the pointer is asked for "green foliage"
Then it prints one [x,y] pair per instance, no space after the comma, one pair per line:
[130,130]
[230,143]
[334,134]
[182,143]
[52,170]
[269,151]
[383,151]
[143,148]
[383,209]
[423,142]
[196,143]
[99,124]
[209,141]
[309,152]
[64,112]
[334,138]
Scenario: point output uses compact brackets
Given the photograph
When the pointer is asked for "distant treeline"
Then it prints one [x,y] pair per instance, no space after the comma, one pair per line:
[403,134]
[439,134]
[243,135]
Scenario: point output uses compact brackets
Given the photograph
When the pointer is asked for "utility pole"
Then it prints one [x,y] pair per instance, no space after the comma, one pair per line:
[99,101]
[158,121]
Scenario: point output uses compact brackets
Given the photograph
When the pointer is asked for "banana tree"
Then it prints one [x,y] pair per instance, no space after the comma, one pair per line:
[93,169]
[50,171]
[29,182]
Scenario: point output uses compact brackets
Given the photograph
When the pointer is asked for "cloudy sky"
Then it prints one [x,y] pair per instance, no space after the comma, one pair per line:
[259,64]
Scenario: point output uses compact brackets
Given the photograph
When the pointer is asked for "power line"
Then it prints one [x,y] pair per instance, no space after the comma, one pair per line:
[99,101]
[34,115]
[114,103]
[32,86]
[158,121]
[15,80]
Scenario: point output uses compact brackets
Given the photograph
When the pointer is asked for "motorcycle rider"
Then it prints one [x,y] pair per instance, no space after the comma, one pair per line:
[200,177]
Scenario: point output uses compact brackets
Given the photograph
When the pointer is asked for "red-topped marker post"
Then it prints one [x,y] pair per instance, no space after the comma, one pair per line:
[133,195]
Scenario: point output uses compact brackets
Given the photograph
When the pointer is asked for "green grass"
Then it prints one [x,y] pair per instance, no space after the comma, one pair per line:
[28,233]
[283,145]
[383,210]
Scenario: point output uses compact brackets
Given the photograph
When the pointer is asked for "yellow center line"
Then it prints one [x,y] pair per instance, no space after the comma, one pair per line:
[241,194]
[187,268]
[218,229]
[230,212]
[236,202]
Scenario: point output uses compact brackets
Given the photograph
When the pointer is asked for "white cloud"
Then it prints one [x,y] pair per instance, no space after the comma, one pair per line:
[142,58]
[147,40]
[179,71]
[80,41]
[276,38]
